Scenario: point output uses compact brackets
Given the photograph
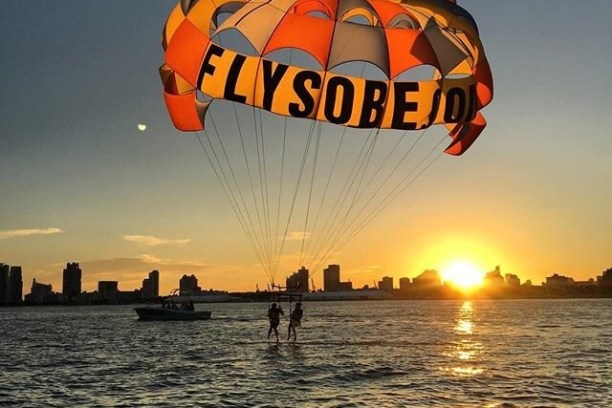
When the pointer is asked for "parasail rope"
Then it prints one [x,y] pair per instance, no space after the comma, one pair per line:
[280,190]
[223,180]
[382,185]
[324,195]
[335,212]
[263,183]
[312,178]
[388,199]
[238,189]
[261,238]
[297,187]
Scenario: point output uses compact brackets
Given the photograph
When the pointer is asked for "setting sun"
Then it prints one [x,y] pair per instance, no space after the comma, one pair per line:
[462,274]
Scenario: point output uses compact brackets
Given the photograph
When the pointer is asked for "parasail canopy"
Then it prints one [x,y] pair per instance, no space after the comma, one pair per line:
[393,36]
[357,64]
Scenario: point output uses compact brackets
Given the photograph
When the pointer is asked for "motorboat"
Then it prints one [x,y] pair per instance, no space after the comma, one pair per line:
[170,313]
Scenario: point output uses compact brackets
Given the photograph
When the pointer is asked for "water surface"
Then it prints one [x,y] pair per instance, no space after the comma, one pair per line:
[521,353]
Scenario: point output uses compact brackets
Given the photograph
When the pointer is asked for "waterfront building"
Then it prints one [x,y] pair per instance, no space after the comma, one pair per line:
[386,284]
[331,278]
[150,285]
[494,279]
[4,283]
[558,281]
[430,278]
[15,285]
[586,284]
[108,291]
[40,293]
[298,281]
[71,281]
[404,283]
[512,280]
[605,280]
[345,286]
[188,285]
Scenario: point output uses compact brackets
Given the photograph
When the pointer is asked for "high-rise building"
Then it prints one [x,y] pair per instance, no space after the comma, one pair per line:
[605,280]
[386,284]
[331,278]
[404,283]
[494,279]
[15,285]
[39,293]
[150,286]
[298,281]
[108,291]
[558,281]
[4,283]
[512,280]
[71,282]
[430,278]
[188,285]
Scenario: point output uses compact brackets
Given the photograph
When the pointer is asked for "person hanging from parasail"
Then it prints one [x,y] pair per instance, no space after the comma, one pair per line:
[274,314]
[295,320]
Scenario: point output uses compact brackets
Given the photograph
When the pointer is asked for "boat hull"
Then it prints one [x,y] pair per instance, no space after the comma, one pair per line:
[159,313]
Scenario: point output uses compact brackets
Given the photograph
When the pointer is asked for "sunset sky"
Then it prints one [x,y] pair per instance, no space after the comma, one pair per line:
[80,182]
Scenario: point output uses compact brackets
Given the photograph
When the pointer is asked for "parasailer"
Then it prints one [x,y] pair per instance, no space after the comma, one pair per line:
[353,69]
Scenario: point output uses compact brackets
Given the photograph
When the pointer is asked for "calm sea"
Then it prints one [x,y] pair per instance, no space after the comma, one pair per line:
[522,353]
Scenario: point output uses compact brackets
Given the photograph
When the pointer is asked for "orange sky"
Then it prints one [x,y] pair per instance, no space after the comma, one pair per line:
[81,182]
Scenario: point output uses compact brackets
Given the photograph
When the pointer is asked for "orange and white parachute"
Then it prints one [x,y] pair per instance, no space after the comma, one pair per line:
[395,37]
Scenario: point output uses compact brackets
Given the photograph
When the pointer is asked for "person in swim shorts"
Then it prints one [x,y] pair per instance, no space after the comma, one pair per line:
[274,314]
[295,320]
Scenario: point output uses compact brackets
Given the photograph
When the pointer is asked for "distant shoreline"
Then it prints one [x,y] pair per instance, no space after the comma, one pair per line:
[259,300]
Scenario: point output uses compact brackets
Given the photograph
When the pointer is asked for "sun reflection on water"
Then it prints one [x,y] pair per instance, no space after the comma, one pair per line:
[466,352]
[464,323]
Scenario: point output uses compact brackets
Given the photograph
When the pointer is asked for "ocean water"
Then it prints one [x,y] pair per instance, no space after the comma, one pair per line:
[519,353]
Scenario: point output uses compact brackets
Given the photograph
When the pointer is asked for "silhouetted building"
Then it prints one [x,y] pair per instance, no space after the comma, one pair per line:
[108,291]
[494,279]
[558,281]
[605,280]
[331,278]
[150,285]
[386,284]
[512,280]
[71,282]
[430,278]
[404,283]
[40,293]
[345,286]
[129,296]
[586,284]
[15,285]
[298,282]
[188,285]
[4,283]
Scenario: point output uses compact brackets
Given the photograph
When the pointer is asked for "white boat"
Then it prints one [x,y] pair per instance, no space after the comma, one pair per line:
[168,313]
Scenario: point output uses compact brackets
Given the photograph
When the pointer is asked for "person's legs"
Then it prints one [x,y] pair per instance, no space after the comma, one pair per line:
[292,329]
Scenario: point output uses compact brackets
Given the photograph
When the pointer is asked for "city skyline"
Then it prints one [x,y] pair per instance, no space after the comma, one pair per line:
[95,169]
[73,275]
